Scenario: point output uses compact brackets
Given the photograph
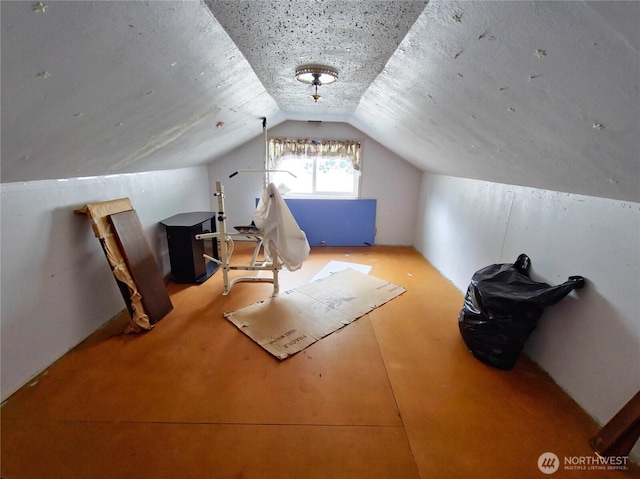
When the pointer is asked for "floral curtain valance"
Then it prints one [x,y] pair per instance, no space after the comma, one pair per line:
[346,149]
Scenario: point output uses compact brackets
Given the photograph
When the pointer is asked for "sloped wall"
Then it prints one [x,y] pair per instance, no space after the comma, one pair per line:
[57,287]
[590,341]
[386,177]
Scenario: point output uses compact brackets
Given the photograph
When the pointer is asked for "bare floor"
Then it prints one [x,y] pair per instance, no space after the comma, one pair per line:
[395,394]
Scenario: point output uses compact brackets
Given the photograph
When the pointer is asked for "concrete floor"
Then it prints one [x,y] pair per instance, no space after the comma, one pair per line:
[395,394]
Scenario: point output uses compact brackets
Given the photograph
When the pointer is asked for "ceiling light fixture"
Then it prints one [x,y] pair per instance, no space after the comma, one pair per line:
[316,75]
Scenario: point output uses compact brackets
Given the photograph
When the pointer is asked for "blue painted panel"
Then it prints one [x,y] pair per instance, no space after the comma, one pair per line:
[336,222]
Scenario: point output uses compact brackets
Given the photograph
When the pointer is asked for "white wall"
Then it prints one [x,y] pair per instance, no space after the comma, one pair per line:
[57,287]
[393,182]
[590,341]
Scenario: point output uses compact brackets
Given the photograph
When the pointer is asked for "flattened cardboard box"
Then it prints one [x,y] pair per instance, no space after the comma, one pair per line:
[288,323]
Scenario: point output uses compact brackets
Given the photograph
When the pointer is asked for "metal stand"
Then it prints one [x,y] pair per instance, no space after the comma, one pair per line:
[226,246]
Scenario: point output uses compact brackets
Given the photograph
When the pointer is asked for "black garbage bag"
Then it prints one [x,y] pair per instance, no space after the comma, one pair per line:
[502,307]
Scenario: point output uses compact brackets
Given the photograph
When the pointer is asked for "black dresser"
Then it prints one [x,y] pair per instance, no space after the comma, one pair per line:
[185,251]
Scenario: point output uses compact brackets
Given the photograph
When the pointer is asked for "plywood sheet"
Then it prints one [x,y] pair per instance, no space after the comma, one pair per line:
[141,264]
[286,324]
[98,214]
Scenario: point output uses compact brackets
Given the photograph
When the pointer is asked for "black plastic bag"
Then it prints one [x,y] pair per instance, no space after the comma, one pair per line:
[502,307]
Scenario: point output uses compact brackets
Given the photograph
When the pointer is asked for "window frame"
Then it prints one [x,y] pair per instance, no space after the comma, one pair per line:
[319,194]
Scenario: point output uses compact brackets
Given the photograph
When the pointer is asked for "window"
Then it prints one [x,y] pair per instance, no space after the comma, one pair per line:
[322,168]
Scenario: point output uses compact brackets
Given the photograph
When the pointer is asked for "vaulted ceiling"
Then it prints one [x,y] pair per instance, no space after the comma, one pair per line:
[542,94]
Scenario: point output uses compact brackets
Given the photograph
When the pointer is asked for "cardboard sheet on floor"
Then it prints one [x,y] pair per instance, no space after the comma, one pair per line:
[288,323]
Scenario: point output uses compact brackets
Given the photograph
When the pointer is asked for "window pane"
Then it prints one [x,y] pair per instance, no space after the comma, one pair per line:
[323,168]
[334,175]
[299,166]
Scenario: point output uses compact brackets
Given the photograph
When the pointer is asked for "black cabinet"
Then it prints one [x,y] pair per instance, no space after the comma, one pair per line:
[185,251]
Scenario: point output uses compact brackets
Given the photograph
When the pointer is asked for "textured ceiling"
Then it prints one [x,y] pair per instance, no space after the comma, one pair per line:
[356,37]
[543,94]
[95,88]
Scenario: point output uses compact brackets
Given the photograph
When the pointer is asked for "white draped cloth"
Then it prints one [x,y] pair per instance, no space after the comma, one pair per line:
[281,234]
